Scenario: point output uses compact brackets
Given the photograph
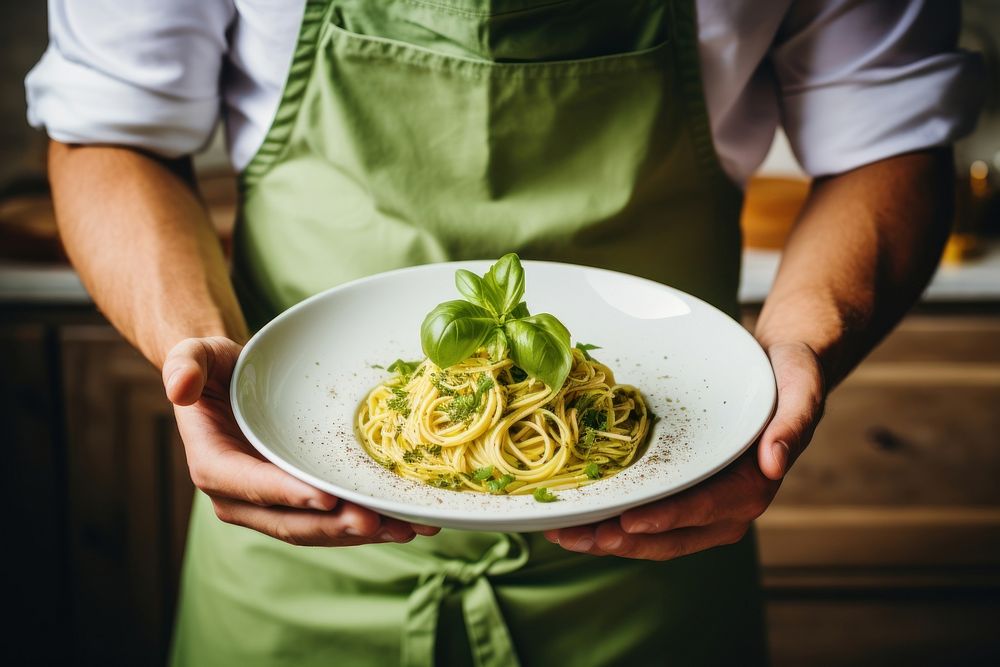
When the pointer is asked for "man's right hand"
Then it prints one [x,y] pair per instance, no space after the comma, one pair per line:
[246,489]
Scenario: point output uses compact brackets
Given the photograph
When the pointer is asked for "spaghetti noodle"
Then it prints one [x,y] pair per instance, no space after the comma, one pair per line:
[483,425]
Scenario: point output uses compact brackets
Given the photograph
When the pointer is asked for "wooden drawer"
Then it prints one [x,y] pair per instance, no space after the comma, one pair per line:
[905,628]
[129,499]
[942,338]
[902,434]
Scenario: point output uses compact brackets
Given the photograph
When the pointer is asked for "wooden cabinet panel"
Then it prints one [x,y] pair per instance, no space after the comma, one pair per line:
[910,628]
[902,434]
[952,339]
[36,566]
[883,544]
[130,496]
[903,469]
[916,424]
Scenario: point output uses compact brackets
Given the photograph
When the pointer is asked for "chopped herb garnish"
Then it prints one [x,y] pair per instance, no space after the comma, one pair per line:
[586,348]
[413,456]
[483,474]
[594,419]
[446,481]
[462,407]
[593,471]
[584,401]
[404,368]
[496,486]
[388,464]
[441,382]
[433,450]
[588,440]
[543,495]
[399,402]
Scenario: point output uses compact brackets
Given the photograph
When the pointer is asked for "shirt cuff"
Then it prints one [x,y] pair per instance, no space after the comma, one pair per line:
[839,126]
[74,103]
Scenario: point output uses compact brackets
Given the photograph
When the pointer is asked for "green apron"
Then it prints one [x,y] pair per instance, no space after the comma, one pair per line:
[415,131]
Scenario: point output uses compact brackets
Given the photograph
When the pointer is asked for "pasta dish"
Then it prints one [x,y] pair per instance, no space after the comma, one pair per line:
[486,423]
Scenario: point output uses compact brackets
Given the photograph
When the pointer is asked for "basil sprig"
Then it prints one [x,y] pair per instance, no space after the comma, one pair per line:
[494,316]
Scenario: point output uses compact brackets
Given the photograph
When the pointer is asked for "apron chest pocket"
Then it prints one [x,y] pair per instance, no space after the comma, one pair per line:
[512,32]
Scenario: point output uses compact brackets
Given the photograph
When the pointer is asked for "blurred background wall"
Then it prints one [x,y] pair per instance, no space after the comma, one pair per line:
[882,548]
[23,36]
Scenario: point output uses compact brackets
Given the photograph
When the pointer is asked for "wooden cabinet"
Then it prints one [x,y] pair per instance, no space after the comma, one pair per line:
[917,424]
[130,498]
[882,547]
[99,492]
[33,488]
[883,544]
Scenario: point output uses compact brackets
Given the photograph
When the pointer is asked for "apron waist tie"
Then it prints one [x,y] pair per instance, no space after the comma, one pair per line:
[488,634]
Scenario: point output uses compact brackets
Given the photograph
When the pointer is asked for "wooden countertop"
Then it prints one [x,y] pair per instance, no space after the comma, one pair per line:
[975,281]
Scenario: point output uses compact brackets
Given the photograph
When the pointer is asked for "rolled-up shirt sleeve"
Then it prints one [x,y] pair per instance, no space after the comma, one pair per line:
[860,81]
[141,73]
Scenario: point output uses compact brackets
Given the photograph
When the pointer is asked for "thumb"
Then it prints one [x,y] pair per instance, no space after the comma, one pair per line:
[191,363]
[799,378]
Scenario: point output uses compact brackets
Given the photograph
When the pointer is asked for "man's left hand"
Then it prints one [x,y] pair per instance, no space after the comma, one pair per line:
[719,511]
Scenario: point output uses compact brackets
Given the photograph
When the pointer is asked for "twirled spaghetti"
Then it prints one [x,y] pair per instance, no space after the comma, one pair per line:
[481,425]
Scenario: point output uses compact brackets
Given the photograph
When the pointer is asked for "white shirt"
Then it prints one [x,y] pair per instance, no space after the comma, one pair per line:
[850,81]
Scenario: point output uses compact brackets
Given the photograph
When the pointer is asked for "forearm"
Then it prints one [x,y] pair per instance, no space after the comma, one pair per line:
[863,249]
[861,252]
[143,245]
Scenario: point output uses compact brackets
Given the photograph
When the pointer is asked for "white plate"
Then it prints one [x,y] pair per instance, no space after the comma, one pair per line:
[299,381]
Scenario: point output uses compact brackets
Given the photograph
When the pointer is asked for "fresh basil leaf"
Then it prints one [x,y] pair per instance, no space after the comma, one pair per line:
[505,283]
[454,330]
[497,345]
[520,311]
[471,287]
[540,345]
[586,348]
[482,474]
[494,294]
[552,325]
[543,495]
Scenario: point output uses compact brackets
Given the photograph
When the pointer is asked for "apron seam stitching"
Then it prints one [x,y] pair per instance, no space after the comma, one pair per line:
[289,104]
[694,97]
[457,11]
[385,48]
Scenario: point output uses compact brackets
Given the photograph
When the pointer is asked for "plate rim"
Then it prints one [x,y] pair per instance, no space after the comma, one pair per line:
[467,516]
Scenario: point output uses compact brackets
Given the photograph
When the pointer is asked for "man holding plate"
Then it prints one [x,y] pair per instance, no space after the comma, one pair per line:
[376,135]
